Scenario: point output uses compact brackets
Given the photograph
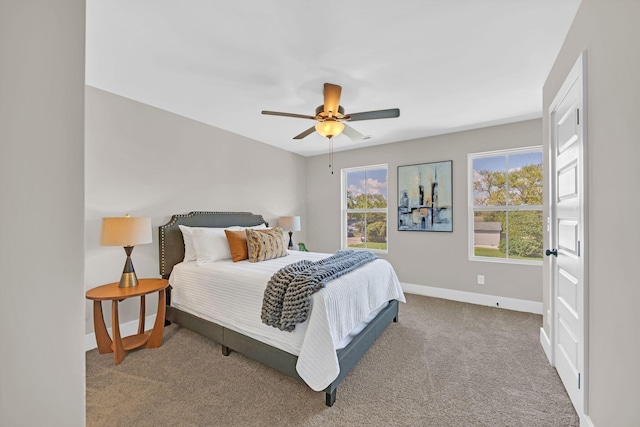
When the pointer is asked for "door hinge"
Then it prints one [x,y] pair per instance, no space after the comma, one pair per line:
[578,247]
[578,380]
[578,115]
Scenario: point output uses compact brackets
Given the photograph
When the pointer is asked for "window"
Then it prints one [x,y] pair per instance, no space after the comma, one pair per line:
[364,208]
[505,206]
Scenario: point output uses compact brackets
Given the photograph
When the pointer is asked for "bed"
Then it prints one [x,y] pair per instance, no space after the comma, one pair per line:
[313,353]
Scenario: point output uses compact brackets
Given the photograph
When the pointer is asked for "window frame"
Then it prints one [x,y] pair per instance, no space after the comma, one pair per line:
[471,209]
[344,211]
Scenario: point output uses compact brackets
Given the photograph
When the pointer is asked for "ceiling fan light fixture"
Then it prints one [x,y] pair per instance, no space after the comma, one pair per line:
[329,128]
[330,116]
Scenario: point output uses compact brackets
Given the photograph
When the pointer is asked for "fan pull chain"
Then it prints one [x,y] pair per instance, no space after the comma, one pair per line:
[331,154]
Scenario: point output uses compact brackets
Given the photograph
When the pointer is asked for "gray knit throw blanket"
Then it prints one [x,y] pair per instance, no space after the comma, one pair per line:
[288,295]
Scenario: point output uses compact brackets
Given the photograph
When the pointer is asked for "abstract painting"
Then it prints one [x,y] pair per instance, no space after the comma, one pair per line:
[425,197]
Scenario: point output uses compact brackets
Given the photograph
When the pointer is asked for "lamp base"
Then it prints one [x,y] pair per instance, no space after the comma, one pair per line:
[290,241]
[128,280]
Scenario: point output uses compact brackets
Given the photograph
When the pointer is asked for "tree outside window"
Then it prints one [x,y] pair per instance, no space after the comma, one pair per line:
[364,208]
[506,205]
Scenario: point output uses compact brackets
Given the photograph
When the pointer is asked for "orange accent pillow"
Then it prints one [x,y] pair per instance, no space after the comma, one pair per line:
[237,244]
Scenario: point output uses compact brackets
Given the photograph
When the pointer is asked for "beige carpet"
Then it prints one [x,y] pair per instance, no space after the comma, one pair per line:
[444,364]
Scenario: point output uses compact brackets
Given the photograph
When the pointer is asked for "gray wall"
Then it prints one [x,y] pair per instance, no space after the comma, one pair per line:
[148,162]
[609,32]
[42,369]
[427,258]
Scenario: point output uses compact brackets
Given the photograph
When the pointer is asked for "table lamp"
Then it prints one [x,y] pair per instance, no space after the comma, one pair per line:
[290,223]
[126,232]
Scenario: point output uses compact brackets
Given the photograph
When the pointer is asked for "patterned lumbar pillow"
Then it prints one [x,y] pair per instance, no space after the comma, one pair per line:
[266,244]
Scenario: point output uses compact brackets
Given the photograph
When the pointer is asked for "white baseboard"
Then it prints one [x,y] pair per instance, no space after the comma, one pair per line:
[546,344]
[131,328]
[473,298]
[585,421]
[126,329]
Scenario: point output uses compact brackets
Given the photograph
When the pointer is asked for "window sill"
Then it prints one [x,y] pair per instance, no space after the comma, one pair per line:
[505,260]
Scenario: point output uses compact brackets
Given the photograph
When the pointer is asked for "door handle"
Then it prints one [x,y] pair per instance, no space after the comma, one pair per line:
[553,252]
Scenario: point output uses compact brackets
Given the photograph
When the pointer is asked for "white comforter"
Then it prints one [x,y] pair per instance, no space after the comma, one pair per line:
[230,294]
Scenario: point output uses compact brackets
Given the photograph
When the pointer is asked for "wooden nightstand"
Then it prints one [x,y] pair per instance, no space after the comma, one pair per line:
[111,292]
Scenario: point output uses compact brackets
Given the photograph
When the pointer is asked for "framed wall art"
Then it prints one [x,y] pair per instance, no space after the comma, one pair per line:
[425,197]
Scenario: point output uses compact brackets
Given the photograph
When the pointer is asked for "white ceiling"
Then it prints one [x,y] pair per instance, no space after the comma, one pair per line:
[449,65]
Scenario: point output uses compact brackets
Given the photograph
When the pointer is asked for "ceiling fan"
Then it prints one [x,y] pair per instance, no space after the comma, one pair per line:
[330,116]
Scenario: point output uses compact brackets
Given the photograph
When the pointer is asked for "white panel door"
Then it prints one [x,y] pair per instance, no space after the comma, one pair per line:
[567,208]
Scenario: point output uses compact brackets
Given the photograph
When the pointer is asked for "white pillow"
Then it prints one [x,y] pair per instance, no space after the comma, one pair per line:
[189,247]
[187,236]
[253,227]
[210,245]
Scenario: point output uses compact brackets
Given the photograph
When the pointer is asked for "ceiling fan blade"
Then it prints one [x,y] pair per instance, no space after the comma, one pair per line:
[276,113]
[353,134]
[372,115]
[332,98]
[307,132]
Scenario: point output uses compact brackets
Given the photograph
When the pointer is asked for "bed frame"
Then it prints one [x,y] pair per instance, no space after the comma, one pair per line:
[171,246]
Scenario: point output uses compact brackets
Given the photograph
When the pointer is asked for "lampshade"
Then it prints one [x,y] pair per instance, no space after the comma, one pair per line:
[125,231]
[329,128]
[289,223]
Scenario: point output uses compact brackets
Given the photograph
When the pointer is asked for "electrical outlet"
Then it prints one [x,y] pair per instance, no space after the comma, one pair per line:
[480,279]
